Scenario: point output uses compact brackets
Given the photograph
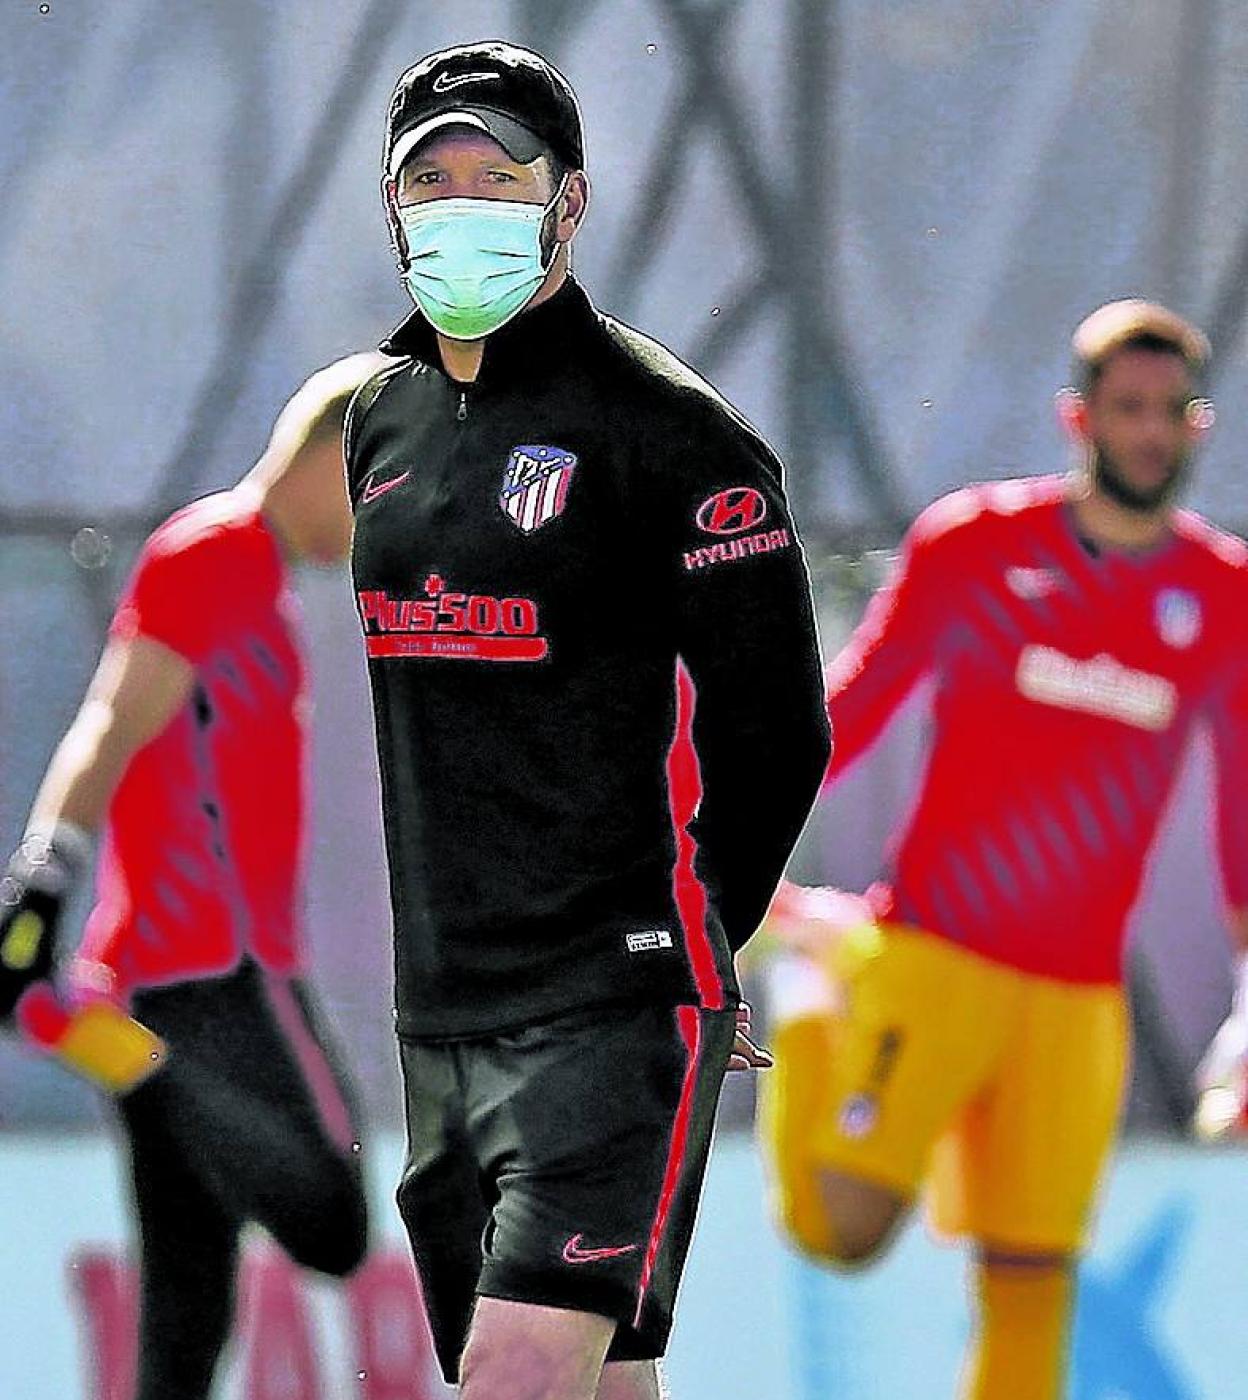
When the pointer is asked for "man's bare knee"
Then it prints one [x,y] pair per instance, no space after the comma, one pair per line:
[522,1351]
[631,1380]
[529,1368]
[862,1218]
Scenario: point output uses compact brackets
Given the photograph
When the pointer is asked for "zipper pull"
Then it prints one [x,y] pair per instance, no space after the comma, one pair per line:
[462,412]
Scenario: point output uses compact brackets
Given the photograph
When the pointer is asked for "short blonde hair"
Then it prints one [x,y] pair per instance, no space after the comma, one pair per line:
[1134,323]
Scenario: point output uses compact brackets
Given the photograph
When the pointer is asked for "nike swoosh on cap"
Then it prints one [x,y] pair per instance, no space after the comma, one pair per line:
[444,82]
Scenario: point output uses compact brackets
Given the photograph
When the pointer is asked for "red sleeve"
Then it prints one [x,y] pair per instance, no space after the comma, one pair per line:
[1228,716]
[892,647]
[187,586]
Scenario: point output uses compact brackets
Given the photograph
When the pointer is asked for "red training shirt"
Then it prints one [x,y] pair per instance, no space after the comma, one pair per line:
[1068,682]
[204,837]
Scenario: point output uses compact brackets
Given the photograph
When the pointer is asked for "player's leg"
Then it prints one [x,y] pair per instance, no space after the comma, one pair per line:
[525,1351]
[441,1196]
[552,1352]
[188,1247]
[1023,1307]
[257,1104]
[873,1057]
[1019,1173]
[321,1217]
[631,1380]
[829,1215]
[596,1129]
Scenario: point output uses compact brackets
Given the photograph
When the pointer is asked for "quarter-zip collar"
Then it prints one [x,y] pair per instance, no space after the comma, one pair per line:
[533,342]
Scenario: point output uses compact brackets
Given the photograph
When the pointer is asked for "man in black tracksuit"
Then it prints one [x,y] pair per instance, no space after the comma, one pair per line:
[551,511]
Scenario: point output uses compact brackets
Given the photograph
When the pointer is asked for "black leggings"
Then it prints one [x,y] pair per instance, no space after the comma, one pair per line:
[250,1120]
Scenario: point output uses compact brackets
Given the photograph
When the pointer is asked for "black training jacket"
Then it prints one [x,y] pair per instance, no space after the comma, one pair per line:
[533,552]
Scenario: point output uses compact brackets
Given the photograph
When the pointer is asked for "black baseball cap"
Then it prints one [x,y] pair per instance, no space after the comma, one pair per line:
[510,93]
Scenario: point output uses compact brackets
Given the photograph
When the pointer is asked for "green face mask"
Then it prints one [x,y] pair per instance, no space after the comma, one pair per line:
[473,263]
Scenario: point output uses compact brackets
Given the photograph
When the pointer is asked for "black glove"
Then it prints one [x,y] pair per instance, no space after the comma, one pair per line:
[39,879]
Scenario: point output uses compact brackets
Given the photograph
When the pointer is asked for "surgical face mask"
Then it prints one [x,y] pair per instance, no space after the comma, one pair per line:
[473,264]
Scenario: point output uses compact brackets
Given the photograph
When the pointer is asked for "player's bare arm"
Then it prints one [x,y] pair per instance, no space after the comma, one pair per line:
[138,687]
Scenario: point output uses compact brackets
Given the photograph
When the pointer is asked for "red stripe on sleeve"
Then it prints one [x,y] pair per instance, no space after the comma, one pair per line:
[684,787]
[885,658]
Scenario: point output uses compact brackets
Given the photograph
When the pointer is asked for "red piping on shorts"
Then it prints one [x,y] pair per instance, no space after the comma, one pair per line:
[691,1033]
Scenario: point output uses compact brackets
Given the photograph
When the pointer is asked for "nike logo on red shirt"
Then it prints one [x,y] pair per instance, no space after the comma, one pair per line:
[371,491]
[574,1254]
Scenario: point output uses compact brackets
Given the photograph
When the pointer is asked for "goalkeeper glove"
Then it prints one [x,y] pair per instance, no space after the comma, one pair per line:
[37,882]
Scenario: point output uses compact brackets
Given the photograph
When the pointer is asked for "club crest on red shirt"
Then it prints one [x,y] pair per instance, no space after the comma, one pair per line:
[1177,615]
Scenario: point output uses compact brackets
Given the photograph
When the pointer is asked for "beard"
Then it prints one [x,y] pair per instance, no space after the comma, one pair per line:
[1109,478]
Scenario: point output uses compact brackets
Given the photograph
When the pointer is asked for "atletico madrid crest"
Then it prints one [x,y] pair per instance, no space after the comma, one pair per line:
[1178,617]
[535,485]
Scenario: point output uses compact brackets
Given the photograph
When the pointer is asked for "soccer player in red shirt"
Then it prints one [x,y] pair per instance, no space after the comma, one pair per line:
[968,1028]
[188,753]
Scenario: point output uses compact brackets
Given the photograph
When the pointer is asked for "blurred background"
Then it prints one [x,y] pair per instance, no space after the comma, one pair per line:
[873,223]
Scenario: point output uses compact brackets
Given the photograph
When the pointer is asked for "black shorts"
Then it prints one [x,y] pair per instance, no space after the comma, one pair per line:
[561,1165]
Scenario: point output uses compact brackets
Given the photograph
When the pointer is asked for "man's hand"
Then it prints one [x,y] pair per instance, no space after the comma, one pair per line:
[745,1053]
[33,891]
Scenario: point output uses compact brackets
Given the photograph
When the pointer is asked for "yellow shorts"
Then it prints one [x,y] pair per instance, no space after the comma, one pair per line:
[998,1089]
